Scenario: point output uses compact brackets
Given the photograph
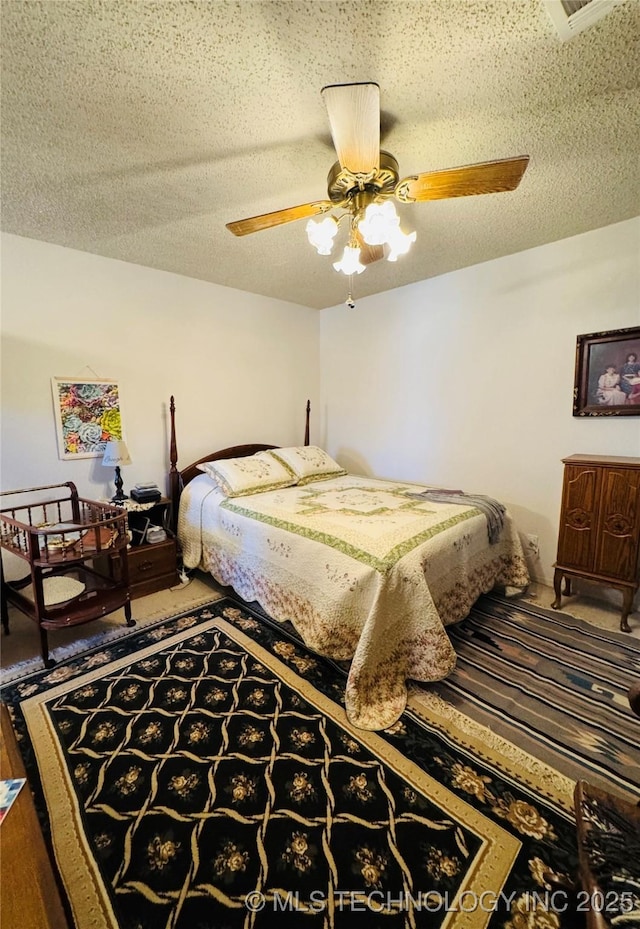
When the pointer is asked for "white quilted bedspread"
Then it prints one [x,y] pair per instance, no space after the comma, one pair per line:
[364,572]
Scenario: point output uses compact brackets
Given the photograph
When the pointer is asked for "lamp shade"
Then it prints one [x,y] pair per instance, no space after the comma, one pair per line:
[400,243]
[350,262]
[379,224]
[116,453]
[321,234]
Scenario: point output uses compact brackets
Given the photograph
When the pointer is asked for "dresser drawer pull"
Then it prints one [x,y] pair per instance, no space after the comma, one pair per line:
[145,566]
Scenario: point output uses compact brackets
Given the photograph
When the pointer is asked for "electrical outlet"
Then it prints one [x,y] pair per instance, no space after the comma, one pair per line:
[533,544]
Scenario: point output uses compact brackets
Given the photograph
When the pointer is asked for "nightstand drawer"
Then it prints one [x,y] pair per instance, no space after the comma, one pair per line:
[152,567]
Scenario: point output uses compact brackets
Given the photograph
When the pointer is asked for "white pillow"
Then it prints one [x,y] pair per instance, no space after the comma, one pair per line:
[308,463]
[253,474]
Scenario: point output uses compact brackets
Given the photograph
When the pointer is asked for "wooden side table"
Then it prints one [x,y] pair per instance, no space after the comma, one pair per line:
[29,896]
[152,567]
[61,537]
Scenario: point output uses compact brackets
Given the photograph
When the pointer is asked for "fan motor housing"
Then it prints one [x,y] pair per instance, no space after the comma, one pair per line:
[343,185]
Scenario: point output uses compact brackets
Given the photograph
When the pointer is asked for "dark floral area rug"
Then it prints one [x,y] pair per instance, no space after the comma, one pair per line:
[202,774]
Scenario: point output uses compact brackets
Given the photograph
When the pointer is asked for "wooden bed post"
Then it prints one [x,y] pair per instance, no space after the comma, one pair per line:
[174,475]
[177,479]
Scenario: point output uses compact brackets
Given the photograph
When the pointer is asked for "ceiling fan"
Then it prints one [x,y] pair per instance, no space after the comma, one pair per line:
[365,180]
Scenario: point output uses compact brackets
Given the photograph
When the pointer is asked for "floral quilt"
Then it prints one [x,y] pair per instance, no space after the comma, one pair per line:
[365,572]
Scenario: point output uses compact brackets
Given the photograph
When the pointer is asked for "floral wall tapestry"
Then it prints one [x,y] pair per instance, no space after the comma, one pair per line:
[87,415]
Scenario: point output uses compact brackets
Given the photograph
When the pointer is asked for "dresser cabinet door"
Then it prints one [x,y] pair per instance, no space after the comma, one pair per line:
[577,542]
[618,530]
[599,536]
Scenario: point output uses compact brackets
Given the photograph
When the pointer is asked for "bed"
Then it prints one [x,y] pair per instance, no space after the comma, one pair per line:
[367,570]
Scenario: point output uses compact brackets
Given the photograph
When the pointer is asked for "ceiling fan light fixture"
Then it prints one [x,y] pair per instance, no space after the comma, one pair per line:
[364,178]
[400,244]
[380,223]
[321,234]
[350,262]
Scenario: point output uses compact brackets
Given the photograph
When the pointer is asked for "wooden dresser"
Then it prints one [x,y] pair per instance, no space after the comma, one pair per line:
[29,894]
[599,536]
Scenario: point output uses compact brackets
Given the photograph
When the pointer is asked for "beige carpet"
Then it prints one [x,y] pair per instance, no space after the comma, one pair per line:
[598,612]
[23,642]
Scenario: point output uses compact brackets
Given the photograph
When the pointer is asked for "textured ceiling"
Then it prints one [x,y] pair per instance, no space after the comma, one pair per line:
[136,130]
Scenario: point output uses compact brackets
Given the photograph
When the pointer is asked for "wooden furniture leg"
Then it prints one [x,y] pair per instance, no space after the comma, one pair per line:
[4,604]
[5,614]
[557,586]
[627,606]
[44,648]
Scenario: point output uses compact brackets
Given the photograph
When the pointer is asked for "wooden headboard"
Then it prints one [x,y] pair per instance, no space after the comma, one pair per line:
[178,479]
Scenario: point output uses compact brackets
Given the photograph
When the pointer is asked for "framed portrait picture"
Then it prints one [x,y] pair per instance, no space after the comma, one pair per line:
[607,379]
[87,413]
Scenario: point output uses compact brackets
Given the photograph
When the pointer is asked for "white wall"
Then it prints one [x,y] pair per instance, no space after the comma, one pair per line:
[463,380]
[241,366]
[466,380]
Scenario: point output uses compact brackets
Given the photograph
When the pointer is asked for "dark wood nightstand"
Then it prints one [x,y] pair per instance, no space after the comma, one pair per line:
[152,567]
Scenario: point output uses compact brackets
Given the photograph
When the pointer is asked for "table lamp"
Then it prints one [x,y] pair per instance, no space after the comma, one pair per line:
[116,453]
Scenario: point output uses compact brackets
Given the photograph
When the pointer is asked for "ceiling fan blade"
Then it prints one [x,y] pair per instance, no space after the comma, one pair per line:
[487,177]
[279,217]
[369,253]
[354,117]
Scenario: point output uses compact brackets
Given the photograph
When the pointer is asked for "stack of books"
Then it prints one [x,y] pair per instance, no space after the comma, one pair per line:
[146,493]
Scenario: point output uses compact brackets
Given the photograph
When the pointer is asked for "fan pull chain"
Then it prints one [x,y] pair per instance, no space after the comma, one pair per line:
[350,302]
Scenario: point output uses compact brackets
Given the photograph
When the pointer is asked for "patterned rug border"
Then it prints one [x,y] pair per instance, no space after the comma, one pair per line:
[481,742]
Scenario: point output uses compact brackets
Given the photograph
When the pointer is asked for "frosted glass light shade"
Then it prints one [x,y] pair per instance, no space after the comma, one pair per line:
[350,262]
[116,453]
[321,234]
[400,243]
[380,223]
